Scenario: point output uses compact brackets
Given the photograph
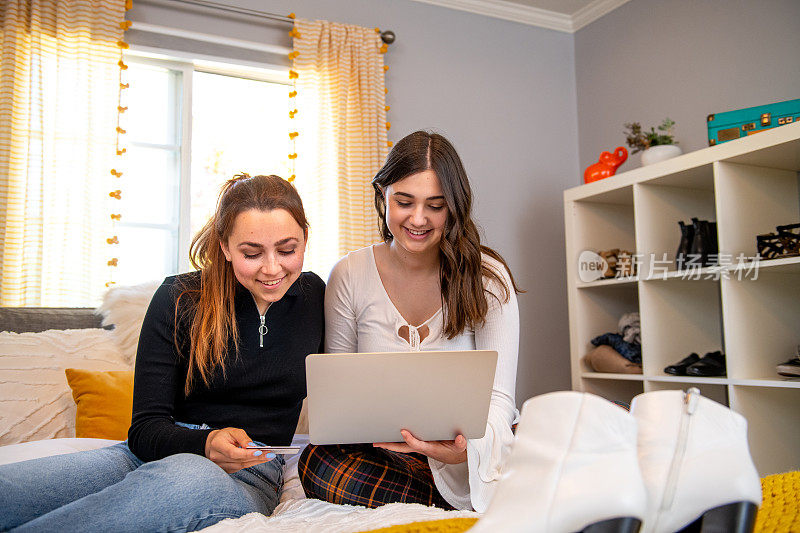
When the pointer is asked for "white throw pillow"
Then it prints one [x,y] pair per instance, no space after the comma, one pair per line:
[125,307]
[35,399]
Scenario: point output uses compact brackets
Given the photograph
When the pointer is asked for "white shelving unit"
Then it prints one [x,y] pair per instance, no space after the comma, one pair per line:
[749,310]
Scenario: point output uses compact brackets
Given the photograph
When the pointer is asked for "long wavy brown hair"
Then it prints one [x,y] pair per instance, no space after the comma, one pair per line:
[213,322]
[461,268]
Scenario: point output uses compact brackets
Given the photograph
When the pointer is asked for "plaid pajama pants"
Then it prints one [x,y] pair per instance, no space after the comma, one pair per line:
[360,474]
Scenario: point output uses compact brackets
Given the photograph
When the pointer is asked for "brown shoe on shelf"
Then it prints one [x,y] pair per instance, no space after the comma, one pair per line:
[625,264]
[604,358]
[611,260]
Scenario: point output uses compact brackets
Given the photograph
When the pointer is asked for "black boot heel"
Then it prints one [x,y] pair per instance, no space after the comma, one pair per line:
[739,517]
[626,524]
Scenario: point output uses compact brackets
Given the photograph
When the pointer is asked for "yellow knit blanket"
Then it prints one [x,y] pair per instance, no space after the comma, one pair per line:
[448,525]
[780,511]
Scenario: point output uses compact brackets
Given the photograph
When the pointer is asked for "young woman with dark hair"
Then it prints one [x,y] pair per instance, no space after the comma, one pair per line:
[430,285]
[220,365]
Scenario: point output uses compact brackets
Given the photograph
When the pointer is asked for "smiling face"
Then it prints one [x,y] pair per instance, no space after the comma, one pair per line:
[266,250]
[416,212]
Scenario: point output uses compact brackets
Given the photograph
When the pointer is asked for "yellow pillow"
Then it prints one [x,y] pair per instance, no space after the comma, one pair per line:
[104,400]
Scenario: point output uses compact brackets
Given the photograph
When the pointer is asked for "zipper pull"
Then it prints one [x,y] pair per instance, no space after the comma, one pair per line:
[262,330]
[691,399]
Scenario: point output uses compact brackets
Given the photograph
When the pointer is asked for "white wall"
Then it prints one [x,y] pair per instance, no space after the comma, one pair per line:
[684,59]
[504,94]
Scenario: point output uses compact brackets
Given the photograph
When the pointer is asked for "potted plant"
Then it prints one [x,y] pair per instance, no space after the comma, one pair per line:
[654,145]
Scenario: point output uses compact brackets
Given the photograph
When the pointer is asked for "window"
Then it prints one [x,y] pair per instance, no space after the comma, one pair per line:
[190,126]
[238,125]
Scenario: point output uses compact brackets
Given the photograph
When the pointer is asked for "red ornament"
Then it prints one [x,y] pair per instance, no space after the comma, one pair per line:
[606,166]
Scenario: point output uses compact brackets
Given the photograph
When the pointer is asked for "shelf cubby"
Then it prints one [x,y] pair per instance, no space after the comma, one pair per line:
[751,201]
[603,226]
[678,317]
[773,426]
[761,322]
[659,208]
[601,307]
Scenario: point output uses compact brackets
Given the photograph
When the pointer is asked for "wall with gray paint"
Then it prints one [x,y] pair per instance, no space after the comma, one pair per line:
[504,94]
[684,59]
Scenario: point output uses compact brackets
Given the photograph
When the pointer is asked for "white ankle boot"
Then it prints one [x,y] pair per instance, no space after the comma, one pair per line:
[694,457]
[573,467]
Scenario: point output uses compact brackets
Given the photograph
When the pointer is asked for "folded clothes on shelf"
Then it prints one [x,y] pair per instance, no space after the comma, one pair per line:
[629,350]
[618,353]
[629,328]
[604,358]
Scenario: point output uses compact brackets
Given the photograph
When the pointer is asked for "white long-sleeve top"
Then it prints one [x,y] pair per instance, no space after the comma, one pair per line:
[360,317]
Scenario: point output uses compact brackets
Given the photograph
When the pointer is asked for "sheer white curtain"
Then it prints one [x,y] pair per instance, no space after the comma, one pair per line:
[341,118]
[59,91]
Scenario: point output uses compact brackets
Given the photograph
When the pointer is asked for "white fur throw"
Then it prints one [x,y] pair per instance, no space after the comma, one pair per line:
[125,307]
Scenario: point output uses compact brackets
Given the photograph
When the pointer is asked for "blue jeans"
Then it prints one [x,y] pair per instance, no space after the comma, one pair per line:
[110,489]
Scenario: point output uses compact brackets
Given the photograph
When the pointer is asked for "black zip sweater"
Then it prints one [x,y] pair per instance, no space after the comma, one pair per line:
[262,389]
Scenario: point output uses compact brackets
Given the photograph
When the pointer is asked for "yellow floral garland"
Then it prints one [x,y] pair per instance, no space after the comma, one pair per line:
[113,262]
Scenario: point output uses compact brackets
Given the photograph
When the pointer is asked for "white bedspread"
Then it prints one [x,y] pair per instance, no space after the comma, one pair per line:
[294,513]
[316,516]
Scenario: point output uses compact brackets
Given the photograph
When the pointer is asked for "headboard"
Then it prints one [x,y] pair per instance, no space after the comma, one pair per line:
[36,319]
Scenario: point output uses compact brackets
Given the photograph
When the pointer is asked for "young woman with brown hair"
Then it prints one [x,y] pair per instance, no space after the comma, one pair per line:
[220,366]
[430,285]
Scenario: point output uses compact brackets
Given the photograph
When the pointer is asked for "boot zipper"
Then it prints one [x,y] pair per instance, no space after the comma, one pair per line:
[690,404]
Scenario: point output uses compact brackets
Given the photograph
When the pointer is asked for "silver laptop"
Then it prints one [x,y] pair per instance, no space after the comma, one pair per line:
[370,397]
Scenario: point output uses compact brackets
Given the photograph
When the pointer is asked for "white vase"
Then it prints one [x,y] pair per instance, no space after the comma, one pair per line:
[654,154]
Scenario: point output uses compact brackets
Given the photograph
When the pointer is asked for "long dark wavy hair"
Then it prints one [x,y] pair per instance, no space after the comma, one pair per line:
[461,268]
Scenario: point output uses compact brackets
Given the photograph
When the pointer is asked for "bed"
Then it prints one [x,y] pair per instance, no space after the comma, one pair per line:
[41,411]
[39,414]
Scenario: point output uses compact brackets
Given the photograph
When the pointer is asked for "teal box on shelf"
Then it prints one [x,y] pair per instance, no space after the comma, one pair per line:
[730,125]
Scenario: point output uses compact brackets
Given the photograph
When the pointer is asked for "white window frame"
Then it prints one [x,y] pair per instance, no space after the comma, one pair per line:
[187,64]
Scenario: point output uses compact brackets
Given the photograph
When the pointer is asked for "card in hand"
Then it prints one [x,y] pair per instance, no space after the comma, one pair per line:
[278,450]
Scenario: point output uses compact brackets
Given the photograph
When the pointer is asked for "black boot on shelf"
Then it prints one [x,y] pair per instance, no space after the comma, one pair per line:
[714,248]
[712,364]
[679,368]
[687,234]
[704,248]
[699,248]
